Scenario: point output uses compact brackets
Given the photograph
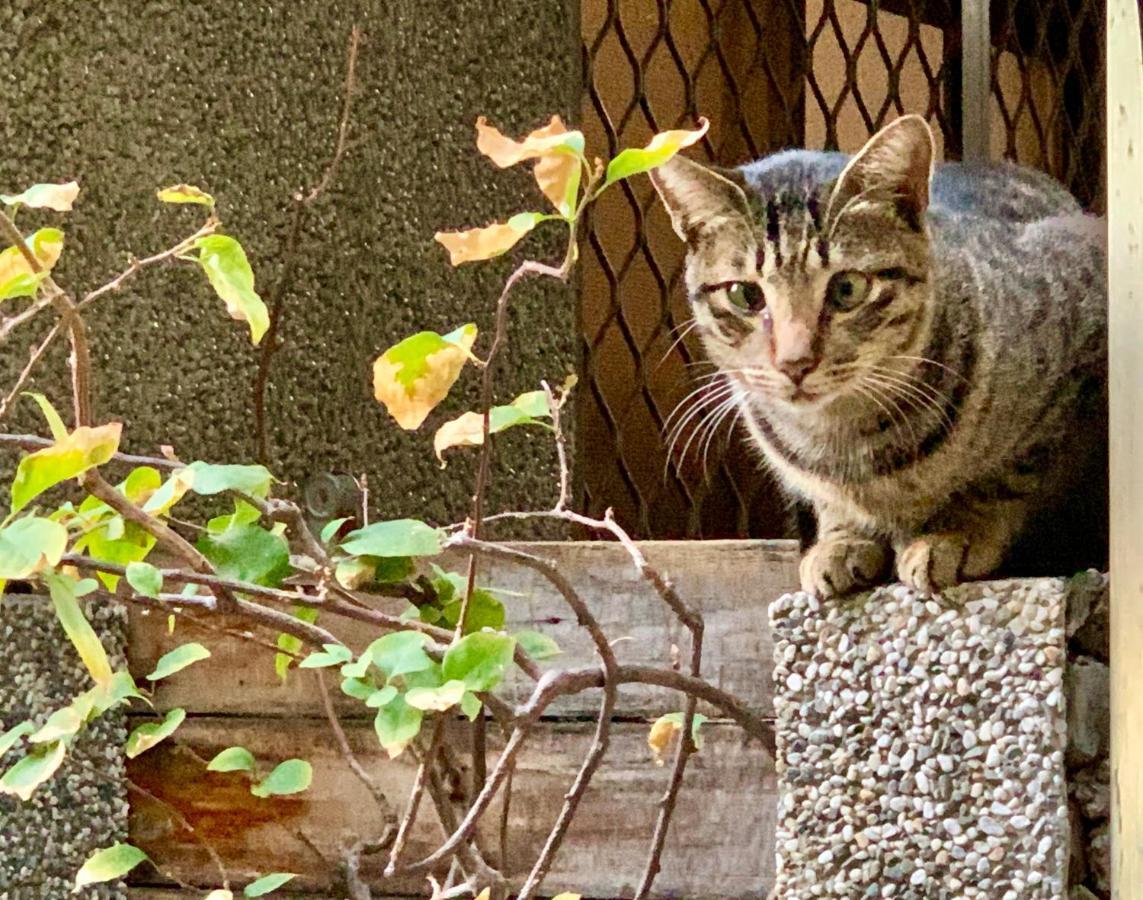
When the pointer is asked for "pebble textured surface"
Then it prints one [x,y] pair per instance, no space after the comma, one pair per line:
[84,807]
[921,743]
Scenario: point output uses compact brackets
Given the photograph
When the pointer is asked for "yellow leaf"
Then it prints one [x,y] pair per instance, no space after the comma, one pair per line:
[58,197]
[662,733]
[466,430]
[661,148]
[558,150]
[68,457]
[412,377]
[568,896]
[484,894]
[484,243]
[46,246]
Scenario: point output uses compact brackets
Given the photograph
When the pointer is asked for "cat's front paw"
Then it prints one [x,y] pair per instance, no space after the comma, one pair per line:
[932,562]
[837,566]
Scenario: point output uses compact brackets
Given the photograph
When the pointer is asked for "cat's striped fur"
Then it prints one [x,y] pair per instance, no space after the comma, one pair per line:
[924,360]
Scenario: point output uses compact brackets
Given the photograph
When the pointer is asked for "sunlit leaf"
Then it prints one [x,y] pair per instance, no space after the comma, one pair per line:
[267,883]
[63,724]
[64,591]
[467,430]
[109,864]
[476,244]
[470,705]
[220,894]
[145,579]
[290,777]
[332,655]
[352,573]
[537,645]
[170,493]
[568,896]
[381,697]
[479,660]
[559,155]
[51,414]
[396,725]
[58,197]
[358,688]
[178,659]
[662,147]
[147,735]
[412,377]
[185,193]
[33,770]
[232,759]
[291,644]
[664,729]
[436,699]
[30,544]
[397,537]
[21,284]
[141,484]
[68,457]
[229,272]
[119,688]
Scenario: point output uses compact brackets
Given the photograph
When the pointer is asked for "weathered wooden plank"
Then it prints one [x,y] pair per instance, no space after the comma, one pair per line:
[730,581]
[1125,334]
[720,845]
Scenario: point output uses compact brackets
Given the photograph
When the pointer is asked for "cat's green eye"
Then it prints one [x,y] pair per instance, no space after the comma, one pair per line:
[847,290]
[746,295]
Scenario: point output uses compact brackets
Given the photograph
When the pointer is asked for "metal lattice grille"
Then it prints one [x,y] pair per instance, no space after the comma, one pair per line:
[771,74]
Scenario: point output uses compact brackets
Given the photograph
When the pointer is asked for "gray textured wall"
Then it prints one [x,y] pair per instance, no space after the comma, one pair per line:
[242,98]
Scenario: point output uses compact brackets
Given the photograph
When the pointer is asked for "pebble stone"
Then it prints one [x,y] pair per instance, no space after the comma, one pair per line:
[44,841]
[947,778]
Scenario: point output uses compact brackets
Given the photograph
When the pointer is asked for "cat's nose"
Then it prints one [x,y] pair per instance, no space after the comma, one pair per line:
[798,368]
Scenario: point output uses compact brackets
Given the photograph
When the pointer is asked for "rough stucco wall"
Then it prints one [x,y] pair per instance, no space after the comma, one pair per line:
[243,99]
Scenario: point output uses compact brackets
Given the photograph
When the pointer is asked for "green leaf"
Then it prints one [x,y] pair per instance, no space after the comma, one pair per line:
[358,688]
[267,883]
[63,724]
[145,579]
[331,528]
[185,193]
[208,479]
[382,697]
[29,545]
[141,484]
[662,147]
[479,660]
[413,376]
[467,430]
[392,569]
[21,284]
[232,759]
[55,421]
[64,591]
[537,645]
[470,705]
[290,777]
[396,725]
[109,864]
[399,653]
[147,735]
[178,659]
[333,655]
[58,197]
[399,537]
[229,272]
[171,492]
[244,514]
[359,668]
[119,688]
[292,645]
[13,735]
[247,553]
[355,571]
[436,699]
[70,456]
[33,770]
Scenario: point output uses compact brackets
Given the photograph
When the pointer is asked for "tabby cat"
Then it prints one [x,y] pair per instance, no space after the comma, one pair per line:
[920,353]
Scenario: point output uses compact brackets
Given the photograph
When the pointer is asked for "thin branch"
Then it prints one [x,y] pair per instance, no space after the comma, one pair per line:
[554,407]
[26,372]
[186,826]
[289,254]
[410,816]
[10,324]
[35,442]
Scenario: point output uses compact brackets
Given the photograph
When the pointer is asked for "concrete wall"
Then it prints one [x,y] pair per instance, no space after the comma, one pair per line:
[243,99]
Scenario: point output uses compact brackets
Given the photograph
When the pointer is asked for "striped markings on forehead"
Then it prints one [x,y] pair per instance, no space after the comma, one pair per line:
[793,227]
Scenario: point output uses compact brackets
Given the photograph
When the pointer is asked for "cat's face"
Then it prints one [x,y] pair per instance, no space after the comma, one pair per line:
[810,293]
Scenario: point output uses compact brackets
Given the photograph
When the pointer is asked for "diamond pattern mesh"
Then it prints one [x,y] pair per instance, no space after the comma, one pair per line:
[771,74]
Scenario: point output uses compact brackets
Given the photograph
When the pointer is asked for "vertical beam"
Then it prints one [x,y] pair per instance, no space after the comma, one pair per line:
[975,78]
[1125,332]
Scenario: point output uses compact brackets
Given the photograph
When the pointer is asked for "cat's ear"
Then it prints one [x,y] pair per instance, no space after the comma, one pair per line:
[699,198]
[893,168]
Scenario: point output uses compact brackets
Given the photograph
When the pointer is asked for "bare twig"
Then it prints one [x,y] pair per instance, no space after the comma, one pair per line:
[179,818]
[10,324]
[554,406]
[289,255]
[35,442]
[410,816]
[26,373]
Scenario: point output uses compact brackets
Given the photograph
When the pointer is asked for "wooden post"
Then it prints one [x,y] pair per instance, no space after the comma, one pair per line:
[1125,270]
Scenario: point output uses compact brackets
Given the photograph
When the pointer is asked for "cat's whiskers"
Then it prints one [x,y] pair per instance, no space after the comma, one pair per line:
[684,329]
[700,407]
[928,397]
[712,430]
[895,412]
[708,421]
[931,362]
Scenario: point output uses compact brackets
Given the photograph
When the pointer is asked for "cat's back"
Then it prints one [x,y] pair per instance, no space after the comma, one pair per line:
[1002,192]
